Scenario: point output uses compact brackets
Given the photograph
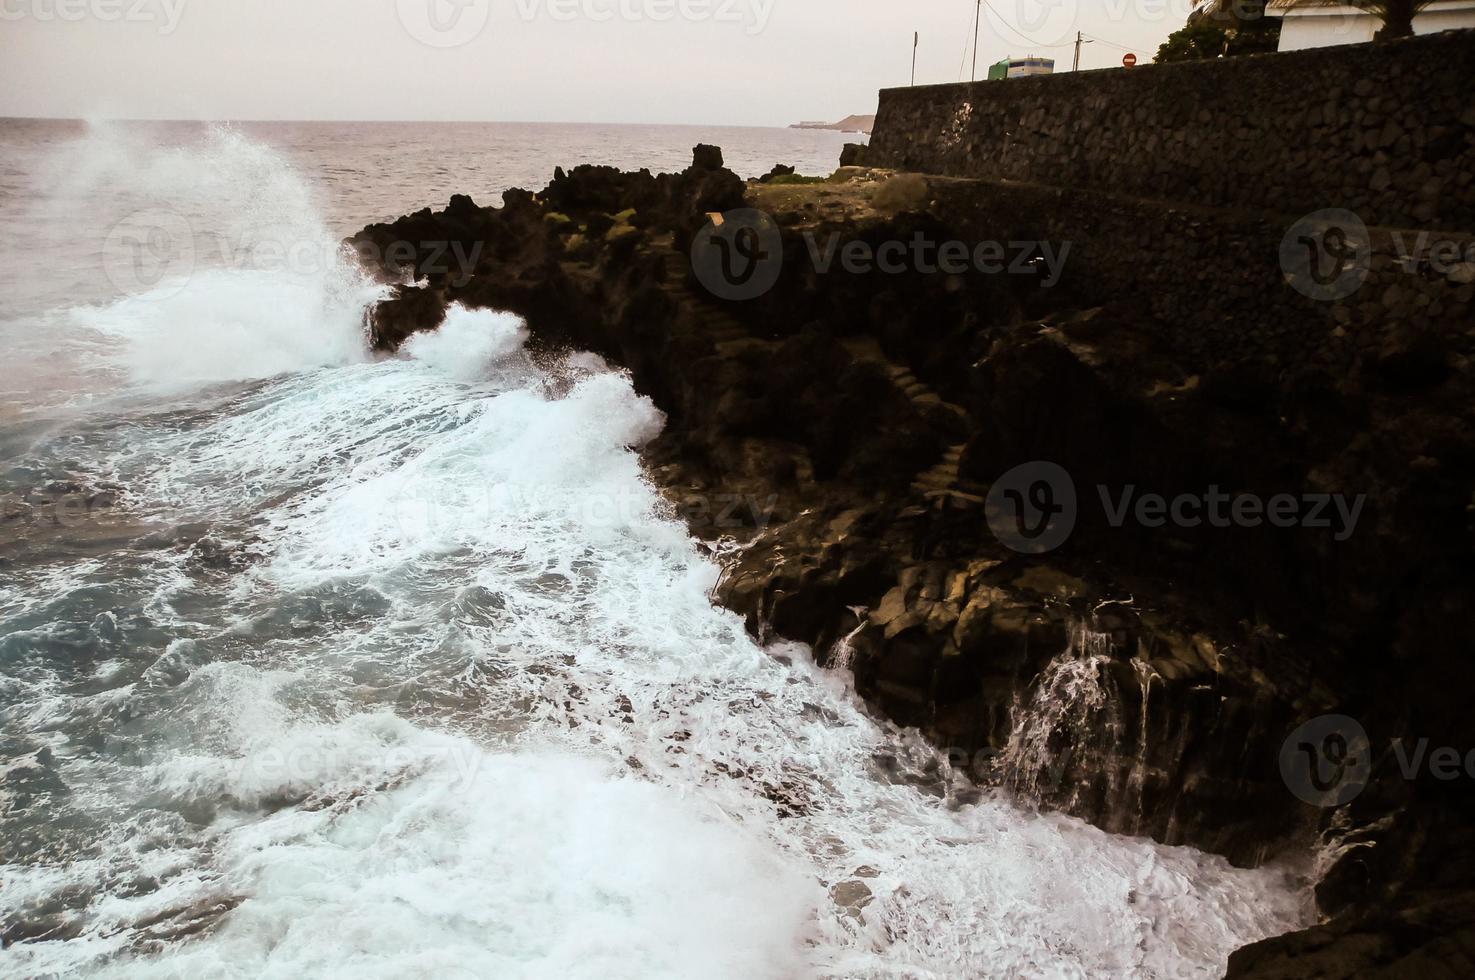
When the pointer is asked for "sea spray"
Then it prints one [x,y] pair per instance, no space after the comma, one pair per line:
[210,264]
[842,654]
[1063,723]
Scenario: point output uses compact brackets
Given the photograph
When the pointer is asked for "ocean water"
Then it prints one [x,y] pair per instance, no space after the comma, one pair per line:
[317,663]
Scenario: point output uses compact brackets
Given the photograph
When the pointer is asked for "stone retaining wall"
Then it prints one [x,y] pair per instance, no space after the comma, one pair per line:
[1216,285]
[1383,130]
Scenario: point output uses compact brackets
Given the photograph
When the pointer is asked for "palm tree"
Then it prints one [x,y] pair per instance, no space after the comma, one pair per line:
[1397,16]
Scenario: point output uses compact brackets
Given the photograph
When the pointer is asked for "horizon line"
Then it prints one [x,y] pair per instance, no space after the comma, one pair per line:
[416,122]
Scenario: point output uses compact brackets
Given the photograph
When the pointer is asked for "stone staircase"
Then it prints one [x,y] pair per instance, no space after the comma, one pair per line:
[725,330]
[910,386]
[942,480]
[728,334]
[943,476]
[868,349]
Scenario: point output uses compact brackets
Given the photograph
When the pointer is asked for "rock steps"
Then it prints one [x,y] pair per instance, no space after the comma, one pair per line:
[728,335]
[867,349]
[943,479]
[725,330]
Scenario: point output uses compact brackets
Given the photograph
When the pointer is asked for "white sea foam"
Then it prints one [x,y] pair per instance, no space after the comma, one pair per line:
[459,705]
[469,343]
[413,853]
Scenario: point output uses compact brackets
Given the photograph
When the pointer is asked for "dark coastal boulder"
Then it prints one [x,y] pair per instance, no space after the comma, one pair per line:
[669,199]
[598,189]
[705,157]
[702,189]
[410,310]
[1429,938]
[463,208]
[434,258]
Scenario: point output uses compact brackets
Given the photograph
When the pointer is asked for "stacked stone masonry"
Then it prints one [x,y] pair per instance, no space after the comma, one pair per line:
[1384,130]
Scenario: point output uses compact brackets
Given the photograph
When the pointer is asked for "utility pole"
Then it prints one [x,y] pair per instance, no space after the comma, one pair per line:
[977,13]
[916,39]
[1080,39]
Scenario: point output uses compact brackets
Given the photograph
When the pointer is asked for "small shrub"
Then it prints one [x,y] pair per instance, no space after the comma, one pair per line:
[797,179]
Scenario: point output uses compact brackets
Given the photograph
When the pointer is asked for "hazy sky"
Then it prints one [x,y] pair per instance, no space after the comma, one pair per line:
[744,62]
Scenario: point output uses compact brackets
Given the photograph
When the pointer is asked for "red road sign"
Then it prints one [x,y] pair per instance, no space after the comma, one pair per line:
[1129,59]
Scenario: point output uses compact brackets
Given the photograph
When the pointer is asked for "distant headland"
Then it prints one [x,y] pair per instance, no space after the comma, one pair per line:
[850,124]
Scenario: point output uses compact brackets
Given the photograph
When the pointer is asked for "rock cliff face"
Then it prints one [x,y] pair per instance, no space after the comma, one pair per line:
[839,439]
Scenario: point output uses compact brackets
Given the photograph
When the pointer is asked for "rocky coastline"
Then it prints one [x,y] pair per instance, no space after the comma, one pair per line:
[838,439]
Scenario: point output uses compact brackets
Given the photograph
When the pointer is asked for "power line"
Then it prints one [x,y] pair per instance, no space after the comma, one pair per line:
[1113,44]
[1027,40]
[963,61]
[977,16]
[1021,35]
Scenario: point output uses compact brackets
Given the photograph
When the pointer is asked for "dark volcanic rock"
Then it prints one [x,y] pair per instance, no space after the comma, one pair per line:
[853,155]
[410,310]
[706,157]
[590,188]
[510,257]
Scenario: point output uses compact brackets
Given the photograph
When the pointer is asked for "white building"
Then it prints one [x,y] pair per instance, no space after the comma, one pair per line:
[1322,23]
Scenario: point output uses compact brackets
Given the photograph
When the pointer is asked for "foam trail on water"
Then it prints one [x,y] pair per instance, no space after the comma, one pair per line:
[406,852]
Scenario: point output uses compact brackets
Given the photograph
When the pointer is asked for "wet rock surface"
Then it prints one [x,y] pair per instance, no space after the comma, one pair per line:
[837,439]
